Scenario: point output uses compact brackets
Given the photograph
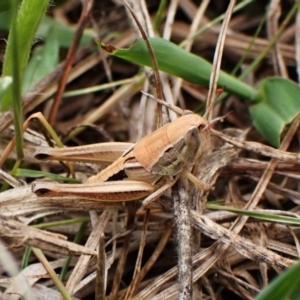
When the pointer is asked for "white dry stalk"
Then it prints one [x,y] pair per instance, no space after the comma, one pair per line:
[20,234]
[182,220]
[12,181]
[259,148]
[111,258]
[170,19]
[213,82]
[273,16]
[189,42]
[24,280]
[92,242]
[243,245]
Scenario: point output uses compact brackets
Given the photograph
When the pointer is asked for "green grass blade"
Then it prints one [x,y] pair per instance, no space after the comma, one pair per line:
[96,88]
[26,258]
[63,222]
[176,61]
[265,216]
[279,106]
[5,82]
[25,26]
[13,92]
[159,14]
[77,239]
[40,174]
[64,33]
[43,60]
[285,286]
[4,5]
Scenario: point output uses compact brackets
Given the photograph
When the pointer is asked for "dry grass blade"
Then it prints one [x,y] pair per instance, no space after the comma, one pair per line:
[242,245]
[261,186]
[260,148]
[12,181]
[156,253]
[274,13]
[28,277]
[124,251]
[190,39]
[172,291]
[83,262]
[138,263]
[57,281]
[17,234]
[217,62]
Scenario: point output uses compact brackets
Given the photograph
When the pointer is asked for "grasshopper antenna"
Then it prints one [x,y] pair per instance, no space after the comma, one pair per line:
[219,91]
[176,109]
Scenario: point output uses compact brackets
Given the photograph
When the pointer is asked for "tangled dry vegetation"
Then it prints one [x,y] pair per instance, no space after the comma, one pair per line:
[136,250]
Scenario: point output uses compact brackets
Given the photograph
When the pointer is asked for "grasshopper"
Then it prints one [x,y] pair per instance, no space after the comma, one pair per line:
[151,165]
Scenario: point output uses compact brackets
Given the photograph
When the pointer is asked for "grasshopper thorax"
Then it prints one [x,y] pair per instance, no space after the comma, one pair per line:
[167,150]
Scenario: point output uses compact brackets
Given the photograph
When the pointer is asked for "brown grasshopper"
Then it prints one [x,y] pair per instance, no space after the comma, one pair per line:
[152,164]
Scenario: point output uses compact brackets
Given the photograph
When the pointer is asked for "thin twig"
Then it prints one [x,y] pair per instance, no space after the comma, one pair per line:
[86,10]
[100,279]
